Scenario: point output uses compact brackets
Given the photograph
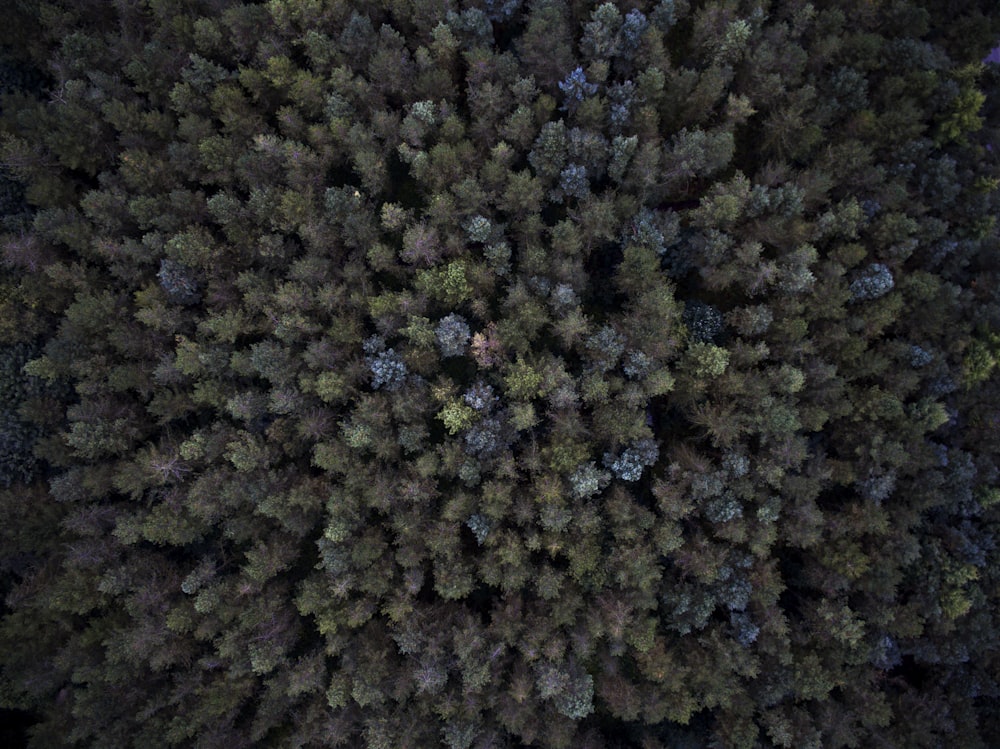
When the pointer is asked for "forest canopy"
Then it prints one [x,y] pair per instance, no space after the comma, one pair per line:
[492,374]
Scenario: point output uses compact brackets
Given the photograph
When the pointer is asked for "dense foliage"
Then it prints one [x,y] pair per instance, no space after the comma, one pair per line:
[488,373]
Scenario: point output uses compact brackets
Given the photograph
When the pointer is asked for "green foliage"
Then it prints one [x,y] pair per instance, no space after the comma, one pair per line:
[456,416]
[449,284]
[981,358]
[523,381]
[964,115]
[706,360]
[501,373]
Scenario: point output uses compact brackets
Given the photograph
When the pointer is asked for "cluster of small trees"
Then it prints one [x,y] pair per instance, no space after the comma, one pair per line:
[497,373]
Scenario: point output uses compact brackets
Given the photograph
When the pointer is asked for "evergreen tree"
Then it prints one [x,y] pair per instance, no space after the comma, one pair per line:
[551,373]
